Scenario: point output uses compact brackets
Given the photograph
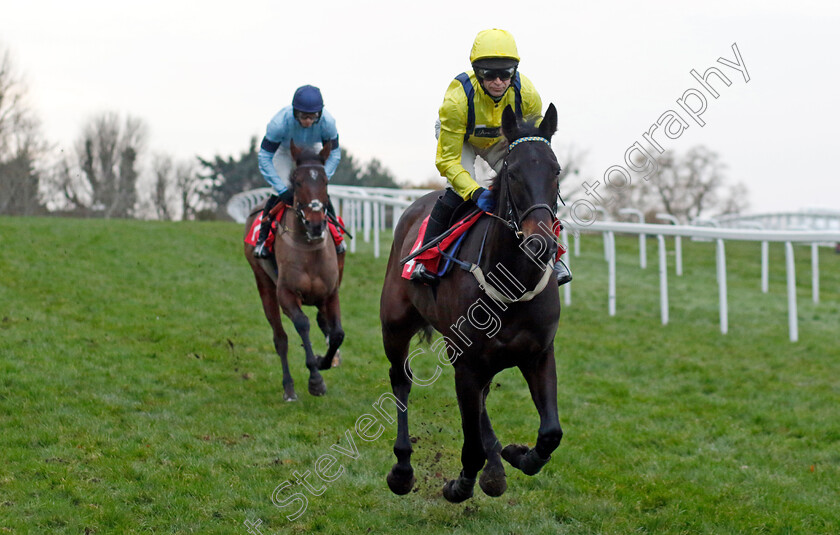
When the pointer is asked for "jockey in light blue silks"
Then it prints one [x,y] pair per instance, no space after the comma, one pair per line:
[309,125]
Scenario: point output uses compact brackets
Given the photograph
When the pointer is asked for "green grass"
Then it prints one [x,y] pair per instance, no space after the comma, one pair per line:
[140,393]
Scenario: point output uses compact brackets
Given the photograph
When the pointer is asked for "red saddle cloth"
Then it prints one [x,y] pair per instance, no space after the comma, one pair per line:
[254,233]
[431,257]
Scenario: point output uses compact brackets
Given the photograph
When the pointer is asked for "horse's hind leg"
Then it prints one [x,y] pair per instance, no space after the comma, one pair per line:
[542,381]
[340,258]
[493,480]
[470,389]
[329,320]
[281,342]
[398,327]
[401,477]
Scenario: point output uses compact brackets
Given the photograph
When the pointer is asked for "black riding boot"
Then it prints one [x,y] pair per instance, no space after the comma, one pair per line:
[437,225]
[562,273]
[260,250]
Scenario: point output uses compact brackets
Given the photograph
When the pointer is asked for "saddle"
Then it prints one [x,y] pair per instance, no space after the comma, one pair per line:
[445,251]
[277,216]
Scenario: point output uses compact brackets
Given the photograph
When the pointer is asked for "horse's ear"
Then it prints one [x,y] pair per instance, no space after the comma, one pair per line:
[325,152]
[509,126]
[549,123]
[294,150]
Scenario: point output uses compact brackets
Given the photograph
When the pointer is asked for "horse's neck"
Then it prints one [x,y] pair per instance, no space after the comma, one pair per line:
[502,246]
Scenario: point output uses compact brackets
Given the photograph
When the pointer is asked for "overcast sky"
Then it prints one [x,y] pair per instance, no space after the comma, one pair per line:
[207,76]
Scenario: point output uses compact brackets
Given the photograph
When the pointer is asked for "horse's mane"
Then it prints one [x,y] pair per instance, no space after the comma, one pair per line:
[524,129]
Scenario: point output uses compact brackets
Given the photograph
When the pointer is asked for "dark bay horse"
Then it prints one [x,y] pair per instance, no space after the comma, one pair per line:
[308,270]
[507,320]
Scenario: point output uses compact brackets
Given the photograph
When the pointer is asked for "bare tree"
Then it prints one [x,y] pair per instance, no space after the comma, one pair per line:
[20,145]
[161,196]
[103,177]
[190,187]
[694,185]
[570,159]
[176,188]
[687,187]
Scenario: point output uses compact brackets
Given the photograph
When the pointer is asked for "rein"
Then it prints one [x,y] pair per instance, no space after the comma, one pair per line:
[514,223]
[316,205]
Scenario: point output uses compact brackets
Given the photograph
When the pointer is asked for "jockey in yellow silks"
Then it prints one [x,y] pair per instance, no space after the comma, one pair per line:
[469,126]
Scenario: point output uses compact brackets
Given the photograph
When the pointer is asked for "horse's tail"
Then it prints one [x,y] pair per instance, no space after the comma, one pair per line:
[425,334]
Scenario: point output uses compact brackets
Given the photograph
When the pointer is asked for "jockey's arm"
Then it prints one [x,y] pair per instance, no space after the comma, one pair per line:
[266,161]
[448,163]
[276,133]
[334,158]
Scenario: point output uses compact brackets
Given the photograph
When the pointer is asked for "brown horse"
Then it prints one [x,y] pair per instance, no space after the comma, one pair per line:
[487,325]
[305,270]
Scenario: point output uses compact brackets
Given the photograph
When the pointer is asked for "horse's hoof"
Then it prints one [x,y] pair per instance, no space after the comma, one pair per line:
[493,481]
[324,364]
[513,454]
[317,387]
[400,481]
[458,490]
[524,458]
[289,396]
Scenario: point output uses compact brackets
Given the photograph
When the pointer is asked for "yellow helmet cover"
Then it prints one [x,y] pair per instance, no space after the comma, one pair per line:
[494,43]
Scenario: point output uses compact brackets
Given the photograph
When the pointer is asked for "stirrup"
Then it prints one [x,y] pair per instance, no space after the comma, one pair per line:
[340,248]
[261,251]
[562,273]
[421,274]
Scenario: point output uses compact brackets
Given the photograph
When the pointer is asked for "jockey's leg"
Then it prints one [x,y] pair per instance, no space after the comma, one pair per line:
[438,223]
[443,210]
[562,272]
[340,246]
[260,250]
[283,164]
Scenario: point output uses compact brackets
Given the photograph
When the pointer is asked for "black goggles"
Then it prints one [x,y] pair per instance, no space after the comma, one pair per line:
[492,74]
[300,115]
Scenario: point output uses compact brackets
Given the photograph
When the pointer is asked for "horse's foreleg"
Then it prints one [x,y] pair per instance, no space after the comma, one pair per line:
[330,315]
[493,480]
[291,306]
[281,342]
[542,381]
[470,396]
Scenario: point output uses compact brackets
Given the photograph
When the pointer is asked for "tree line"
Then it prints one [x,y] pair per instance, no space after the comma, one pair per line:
[110,173]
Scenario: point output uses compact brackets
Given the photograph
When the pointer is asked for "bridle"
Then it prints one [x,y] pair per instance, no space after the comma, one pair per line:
[514,219]
[316,205]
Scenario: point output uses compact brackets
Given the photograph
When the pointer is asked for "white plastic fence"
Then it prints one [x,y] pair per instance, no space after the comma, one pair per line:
[366,210]
[811,219]
[719,235]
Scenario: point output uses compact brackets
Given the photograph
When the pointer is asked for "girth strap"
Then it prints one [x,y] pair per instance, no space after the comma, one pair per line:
[491,290]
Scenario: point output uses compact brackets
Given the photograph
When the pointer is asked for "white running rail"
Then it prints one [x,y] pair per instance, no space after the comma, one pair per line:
[366,209]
